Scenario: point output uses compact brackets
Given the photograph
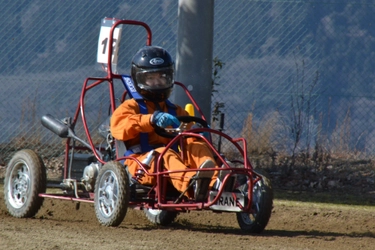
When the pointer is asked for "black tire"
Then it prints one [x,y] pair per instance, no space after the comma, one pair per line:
[112,193]
[262,204]
[25,178]
[160,217]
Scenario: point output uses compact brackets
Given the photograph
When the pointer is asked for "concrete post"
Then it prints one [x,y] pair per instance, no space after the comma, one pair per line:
[194,52]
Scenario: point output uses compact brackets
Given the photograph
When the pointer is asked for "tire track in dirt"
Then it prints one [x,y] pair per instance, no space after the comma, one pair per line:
[58,225]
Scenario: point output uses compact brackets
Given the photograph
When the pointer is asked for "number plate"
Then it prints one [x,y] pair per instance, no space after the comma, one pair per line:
[227,201]
[103,46]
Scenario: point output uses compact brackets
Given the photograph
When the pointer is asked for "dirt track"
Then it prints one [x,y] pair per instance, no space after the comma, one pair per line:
[58,225]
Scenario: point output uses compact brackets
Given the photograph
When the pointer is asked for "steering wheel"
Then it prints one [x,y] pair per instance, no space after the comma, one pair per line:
[185,120]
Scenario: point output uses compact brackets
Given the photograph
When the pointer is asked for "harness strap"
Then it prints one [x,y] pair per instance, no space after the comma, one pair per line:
[145,146]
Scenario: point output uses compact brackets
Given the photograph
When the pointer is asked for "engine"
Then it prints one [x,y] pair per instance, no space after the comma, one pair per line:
[89,176]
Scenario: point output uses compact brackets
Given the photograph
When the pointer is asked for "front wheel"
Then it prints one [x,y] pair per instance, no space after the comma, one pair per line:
[111,194]
[25,178]
[262,206]
[160,217]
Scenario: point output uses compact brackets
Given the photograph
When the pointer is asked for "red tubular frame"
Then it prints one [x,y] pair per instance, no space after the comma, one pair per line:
[160,201]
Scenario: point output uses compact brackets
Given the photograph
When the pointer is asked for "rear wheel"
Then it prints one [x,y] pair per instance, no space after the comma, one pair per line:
[111,194]
[262,206]
[160,217]
[25,178]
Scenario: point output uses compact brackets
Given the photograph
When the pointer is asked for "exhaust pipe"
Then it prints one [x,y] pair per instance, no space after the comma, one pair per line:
[56,126]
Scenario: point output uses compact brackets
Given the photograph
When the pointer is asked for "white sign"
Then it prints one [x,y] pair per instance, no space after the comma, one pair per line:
[103,46]
[227,201]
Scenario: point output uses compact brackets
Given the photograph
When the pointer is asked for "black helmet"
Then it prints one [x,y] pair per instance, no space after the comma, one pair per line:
[148,61]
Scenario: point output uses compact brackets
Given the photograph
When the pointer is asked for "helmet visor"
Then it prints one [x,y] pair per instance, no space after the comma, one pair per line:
[155,79]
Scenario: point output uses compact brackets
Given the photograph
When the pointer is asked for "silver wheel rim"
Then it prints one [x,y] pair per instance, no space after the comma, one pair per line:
[155,212]
[250,218]
[19,184]
[108,193]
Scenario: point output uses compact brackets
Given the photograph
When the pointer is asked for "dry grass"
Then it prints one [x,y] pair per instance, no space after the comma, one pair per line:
[259,139]
[262,143]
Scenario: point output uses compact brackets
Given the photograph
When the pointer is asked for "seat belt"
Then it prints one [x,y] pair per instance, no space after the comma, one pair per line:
[145,146]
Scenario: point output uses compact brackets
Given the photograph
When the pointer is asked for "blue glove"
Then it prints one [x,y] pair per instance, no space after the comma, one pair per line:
[164,120]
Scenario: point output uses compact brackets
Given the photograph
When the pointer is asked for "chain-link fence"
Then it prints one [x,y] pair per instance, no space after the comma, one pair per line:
[297,76]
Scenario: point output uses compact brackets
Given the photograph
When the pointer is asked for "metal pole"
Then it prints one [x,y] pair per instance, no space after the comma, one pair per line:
[194,52]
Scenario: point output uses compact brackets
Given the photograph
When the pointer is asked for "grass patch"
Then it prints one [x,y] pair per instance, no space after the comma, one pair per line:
[337,198]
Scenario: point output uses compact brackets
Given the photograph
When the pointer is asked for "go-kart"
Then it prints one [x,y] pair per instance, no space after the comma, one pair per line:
[106,182]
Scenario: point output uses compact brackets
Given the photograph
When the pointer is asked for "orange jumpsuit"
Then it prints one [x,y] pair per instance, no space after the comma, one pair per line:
[126,125]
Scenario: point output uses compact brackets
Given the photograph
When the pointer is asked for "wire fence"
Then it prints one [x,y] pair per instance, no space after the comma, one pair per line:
[297,76]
